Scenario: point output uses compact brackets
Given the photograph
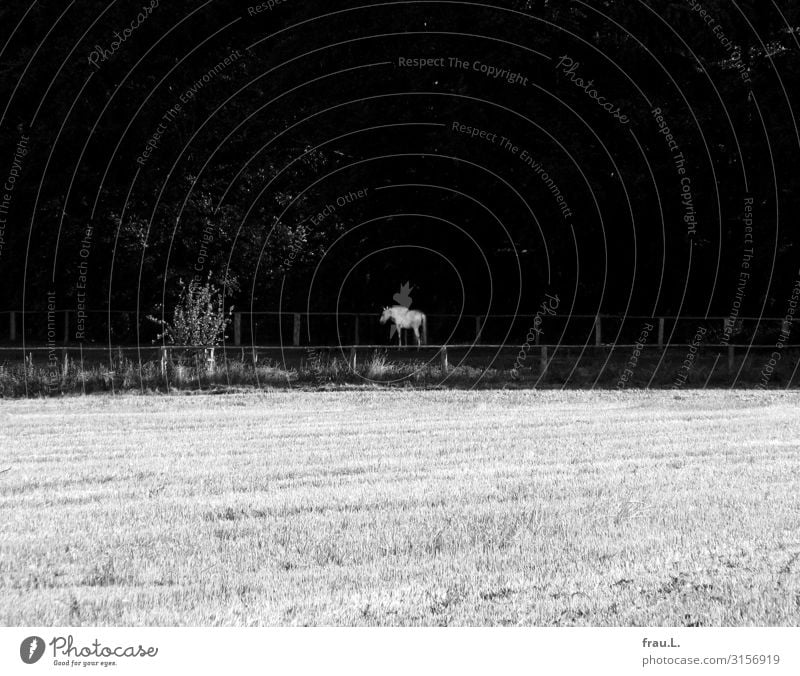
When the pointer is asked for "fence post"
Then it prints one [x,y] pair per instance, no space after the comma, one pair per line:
[356,337]
[544,359]
[598,332]
[237,328]
[164,359]
[353,358]
[661,332]
[730,357]
[66,327]
[443,357]
[12,326]
[296,333]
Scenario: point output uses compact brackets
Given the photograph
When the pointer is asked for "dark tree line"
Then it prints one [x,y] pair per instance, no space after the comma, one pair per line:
[216,140]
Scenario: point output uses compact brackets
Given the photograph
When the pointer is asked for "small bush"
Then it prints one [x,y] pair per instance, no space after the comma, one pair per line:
[199,319]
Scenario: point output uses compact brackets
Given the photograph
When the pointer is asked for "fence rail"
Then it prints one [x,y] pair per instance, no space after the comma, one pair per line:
[68,327]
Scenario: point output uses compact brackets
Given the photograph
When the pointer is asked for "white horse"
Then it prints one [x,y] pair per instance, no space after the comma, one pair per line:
[404,318]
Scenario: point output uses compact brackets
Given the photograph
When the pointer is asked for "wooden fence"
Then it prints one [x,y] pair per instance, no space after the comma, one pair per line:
[60,324]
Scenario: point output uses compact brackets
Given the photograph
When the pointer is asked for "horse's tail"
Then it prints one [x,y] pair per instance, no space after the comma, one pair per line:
[424,328]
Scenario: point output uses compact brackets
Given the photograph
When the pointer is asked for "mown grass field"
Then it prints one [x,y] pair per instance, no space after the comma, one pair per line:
[401,507]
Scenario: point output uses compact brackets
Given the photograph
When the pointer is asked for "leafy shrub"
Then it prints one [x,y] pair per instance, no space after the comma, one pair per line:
[199,318]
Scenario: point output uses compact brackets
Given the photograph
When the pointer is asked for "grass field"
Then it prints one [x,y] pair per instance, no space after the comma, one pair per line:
[402,507]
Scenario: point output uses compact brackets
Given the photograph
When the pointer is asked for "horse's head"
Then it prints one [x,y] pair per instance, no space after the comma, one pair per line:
[386,316]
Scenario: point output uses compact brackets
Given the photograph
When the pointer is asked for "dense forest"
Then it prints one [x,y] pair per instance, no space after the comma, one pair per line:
[627,156]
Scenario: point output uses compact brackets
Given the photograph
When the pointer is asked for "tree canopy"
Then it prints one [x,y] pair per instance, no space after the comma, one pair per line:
[315,156]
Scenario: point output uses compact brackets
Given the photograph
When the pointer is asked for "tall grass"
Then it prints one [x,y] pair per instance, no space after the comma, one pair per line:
[188,372]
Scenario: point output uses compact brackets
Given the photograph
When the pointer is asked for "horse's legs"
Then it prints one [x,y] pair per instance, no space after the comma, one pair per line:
[399,337]
[416,333]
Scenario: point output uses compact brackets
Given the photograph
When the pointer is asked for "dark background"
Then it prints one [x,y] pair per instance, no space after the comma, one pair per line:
[317,107]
